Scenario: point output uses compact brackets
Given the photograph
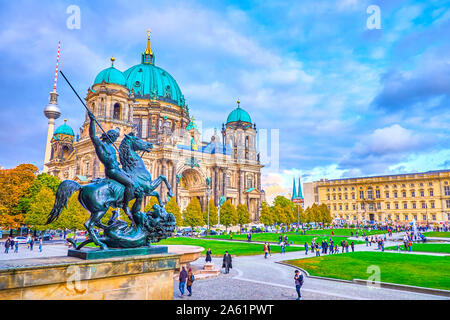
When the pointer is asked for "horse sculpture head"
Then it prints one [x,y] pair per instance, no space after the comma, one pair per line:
[128,147]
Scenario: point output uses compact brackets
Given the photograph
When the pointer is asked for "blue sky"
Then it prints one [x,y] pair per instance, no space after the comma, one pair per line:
[348,101]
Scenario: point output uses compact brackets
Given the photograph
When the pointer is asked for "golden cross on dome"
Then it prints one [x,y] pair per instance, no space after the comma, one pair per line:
[239,102]
[149,48]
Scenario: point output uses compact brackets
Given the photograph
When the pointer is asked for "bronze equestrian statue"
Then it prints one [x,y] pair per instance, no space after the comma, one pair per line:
[121,185]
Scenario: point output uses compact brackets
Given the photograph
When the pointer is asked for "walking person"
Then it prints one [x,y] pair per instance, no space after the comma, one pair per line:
[306,248]
[353,246]
[208,255]
[11,245]
[31,244]
[266,250]
[282,247]
[16,246]
[7,244]
[227,262]
[182,279]
[298,278]
[40,244]
[190,281]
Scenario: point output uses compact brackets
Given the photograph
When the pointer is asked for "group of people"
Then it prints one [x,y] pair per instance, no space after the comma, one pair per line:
[187,278]
[11,244]
[328,247]
[376,239]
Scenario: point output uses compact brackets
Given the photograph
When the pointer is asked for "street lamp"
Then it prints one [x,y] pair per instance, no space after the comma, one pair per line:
[221,202]
[208,193]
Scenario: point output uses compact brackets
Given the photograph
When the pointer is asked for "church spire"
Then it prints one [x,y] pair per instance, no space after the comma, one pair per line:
[294,191]
[299,193]
[147,55]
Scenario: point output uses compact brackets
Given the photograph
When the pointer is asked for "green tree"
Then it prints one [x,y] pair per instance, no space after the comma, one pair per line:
[74,216]
[228,215]
[307,215]
[266,215]
[39,210]
[213,216]
[282,202]
[299,213]
[279,214]
[243,215]
[289,214]
[42,180]
[192,214]
[172,207]
[325,213]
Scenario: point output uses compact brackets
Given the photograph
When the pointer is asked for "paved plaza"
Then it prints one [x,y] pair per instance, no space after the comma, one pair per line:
[256,278]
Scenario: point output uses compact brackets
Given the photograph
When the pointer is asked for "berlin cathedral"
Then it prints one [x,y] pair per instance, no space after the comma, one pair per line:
[147,100]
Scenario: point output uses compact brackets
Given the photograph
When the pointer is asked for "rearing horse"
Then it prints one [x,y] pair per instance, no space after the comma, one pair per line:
[100,194]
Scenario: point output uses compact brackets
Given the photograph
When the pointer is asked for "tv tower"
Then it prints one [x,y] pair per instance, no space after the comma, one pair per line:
[52,112]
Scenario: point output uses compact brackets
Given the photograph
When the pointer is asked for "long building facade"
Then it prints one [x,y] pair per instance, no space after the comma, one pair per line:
[147,100]
[400,199]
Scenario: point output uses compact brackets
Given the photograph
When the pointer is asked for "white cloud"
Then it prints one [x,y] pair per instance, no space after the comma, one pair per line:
[393,139]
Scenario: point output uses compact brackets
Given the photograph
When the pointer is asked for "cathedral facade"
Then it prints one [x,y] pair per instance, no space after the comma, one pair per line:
[147,100]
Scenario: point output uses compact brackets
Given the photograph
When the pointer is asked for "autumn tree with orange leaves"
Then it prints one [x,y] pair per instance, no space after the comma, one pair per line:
[14,185]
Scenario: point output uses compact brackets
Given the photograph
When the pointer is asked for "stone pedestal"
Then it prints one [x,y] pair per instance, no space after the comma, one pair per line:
[146,277]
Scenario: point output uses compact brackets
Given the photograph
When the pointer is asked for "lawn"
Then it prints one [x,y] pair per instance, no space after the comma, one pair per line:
[234,248]
[292,236]
[344,232]
[437,234]
[415,270]
[426,247]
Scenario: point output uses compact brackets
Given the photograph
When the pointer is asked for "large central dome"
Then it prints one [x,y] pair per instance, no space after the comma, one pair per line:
[151,82]
[146,80]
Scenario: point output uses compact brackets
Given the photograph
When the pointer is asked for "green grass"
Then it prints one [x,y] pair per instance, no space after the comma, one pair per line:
[437,234]
[426,247]
[344,232]
[416,270]
[218,248]
[292,236]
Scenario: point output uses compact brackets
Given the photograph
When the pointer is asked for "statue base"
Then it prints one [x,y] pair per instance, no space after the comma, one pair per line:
[144,277]
[97,253]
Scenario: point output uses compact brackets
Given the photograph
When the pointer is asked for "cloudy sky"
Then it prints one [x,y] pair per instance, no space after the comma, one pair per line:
[346,100]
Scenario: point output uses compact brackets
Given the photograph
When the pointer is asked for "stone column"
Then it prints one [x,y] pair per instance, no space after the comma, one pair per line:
[216,185]
[224,182]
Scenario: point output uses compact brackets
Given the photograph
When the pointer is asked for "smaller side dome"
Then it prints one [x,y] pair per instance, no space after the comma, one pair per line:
[64,129]
[239,114]
[110,75]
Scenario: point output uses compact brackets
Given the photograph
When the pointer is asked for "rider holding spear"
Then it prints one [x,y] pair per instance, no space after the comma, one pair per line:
[106,152]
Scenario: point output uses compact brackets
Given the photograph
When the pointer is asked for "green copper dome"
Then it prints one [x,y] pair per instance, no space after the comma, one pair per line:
[64,129]
[151,82]
[110,75]
[239,114]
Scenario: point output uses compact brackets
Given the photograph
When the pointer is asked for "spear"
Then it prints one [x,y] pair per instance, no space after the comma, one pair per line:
[88,110]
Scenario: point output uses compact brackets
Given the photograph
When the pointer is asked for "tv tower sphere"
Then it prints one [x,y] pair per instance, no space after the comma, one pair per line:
[52,111]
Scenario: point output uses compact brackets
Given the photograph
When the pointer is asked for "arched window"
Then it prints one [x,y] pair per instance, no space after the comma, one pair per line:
[116,113]
[65,152]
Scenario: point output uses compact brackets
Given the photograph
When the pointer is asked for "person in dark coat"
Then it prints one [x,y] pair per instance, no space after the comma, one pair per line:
[7,244]
[182,279]
[227,262]
[208,255]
